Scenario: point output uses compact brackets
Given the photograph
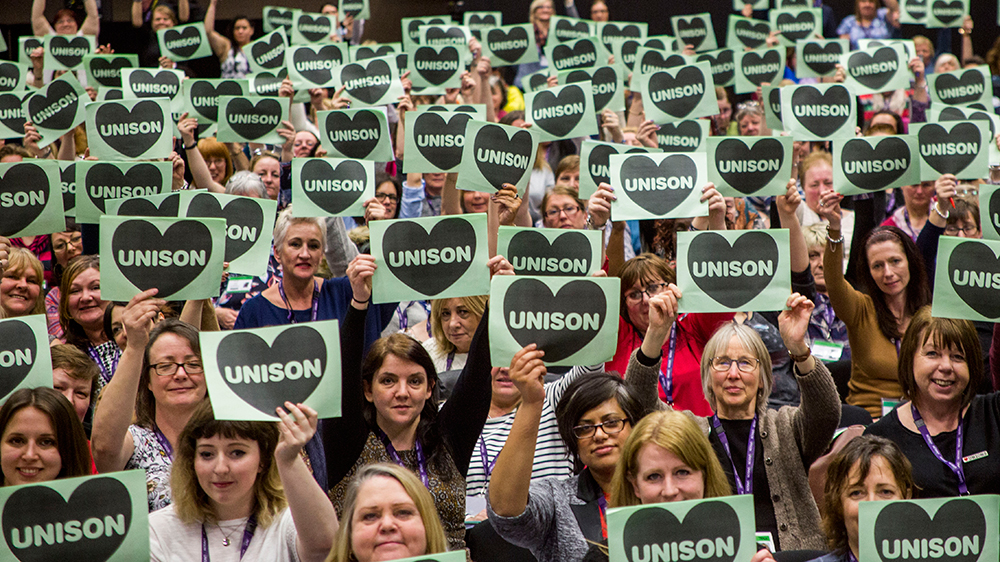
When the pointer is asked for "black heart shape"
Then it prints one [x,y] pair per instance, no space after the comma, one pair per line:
[963,142]
[604,84]
[749,168]
[796,26]
[168,207]
[439,141]
[414,28]
[822,59]
[244,221]
[241,113]
[677,175]
[140,179]
[583,54]
[18,341]
[30,44]
[67,177]
[10,76]
[69,52]
[751,34]
[35,507]
[267,84]
[917,8]
[530,297]
[317,64]
[244,359]
[874,71]
[509,45]
[333,189]
[687,134]
[948,12]
[613,32]
[492,139]
[677,95]
[145,84]
[108,72]
[654,61]
[190,238]
[271,53]
[774,101]
[113,94]
[738,288]
[903,521]
[445,36]
[31,184]
[874,168]
[558,115]
[692,31]
[12,110]
[960,91]
[190,41]
[144,116]
[567,30]
[282,18]
[758,69]
[709,521]
[366,83]
[204,96]
[352,8]
[314,28]
[807,99]
[436,66]
[629,48]
[599,163]
[406,238]
[354,136]
[993,220]
[538,81]
[568,255]
[364,53]
[485,21]
[56,109]
[723,65]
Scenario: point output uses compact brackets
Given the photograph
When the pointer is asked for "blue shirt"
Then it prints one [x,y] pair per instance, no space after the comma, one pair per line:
[879,28]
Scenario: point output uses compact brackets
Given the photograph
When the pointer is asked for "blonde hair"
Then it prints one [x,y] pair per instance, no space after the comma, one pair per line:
[751,342]
[475,304]
[20,261]
[211,148]
[814,159]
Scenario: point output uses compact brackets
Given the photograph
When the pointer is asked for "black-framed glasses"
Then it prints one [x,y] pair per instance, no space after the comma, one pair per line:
[610,427]
[651,291]
[388,196]
[745,364]
[76,241]
[570,211]
[169,368]
[969,229]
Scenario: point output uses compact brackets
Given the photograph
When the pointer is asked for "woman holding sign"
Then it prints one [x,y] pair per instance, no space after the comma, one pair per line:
[81,314]
[230,51]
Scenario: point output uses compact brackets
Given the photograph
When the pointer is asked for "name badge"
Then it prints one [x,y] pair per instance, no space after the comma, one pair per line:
[889,405]
[239,284]
[764,540]
[827,351]
[976,457]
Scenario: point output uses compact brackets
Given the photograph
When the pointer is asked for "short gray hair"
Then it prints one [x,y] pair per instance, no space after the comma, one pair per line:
[750,340]
[246,183]
[286,220]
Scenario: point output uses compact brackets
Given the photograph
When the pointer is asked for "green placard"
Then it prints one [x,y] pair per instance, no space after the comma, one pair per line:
[535,81]
[358,9]
[97,182]
[565,29]
[797,24]
[553,252]
[967,279]
[201,96]
[275,17]
[161,205]
[370,83]
[434,68]
[67,177]
[56,108]
[476,110]
[723,64]
[443,557]
[818,58]
[101,517]
[140,83]
[595,164]
[184,42]
[437,35]
[869,164]
[612,32]
[12,111]
[130,129]
[312,28]
[962,87]
[357,133]
[496,154]
[933,529]
[251,119]
[562,112]
[25,360]
[364,52]
[266,83]
[683,136]
[607,85]
[314,66]
[817,112]
[989,211]
[510,45]
[695,30]
[13,76]
[105,71]
[180,257]
[720,528]
[331,187]
[913,11]
[907,44]
[3,44]
[876,69]
[772,108]
[477,22]
[658,186]
[250,373]
[750,166]
[758,67]
[744,32]
[649,60]
[733,270]
[574,320]
[434,141]
[954,147]
[588,52]
[249,224]
[31,202]
[625,51]
[947,14]
[66,52]
[679,93]
[411,27]
[430,258]
[267,54]
[25,46]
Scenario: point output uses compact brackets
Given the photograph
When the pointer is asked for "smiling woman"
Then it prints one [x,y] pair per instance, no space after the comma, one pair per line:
[81,314]
[41,438]
[21,285]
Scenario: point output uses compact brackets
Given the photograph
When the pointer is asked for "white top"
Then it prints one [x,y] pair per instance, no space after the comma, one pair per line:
[441,358]
[171,540]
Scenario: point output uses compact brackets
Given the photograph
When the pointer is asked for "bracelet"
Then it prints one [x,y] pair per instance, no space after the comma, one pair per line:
[590,224]
[963,31]
[800,358]
[835,241]
[944,215]
[361,302]
[189,147]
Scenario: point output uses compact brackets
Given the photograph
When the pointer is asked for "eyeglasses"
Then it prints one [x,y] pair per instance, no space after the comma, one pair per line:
[388,196]
[75,241]
[169,368]
[745,364]
[610,427]
[953,229]
[570,210]
[751,105]
[650,291]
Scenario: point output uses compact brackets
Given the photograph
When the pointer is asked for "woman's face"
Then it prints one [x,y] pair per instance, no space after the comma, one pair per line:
[19,291]
[736,391]
[303,144]
[29,452]
[941,374]
[162,20]
[498,100]
[879,485]
[918,196]
[661,476]
[543,13]
[302,251]
[84,301]
[885,119]
[601,450]
[946,64]
[118,332]
[750,125]
[818,180]
[459,324]
[398,390]
[217,168]
[816,265]
[866,8]
[562,211]
[77,391]
[227,470]
[504,390]
[638,311]
[476,201]
[570,178]
[386,195]
[386,524]
[964,227]
[242,31]
[66,25]
[889,267]
[599,11]
[66,246]
[182,389]
[269,171]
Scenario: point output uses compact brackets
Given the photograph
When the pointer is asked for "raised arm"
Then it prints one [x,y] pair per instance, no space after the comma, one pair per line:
[786,205]
[183,10]
[220,44]
[716,219]
[92,23]
[199,169]
[39,25]
[844,298]
[136,13]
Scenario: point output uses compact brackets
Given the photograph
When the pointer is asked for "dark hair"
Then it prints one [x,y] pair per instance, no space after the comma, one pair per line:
[944,332]
[511,117]
[72,330]
[77,364]
[66,12]
[585,394]
[900,126]
[383,177]
[71,440]
[406,348]
[145,404]
[918,292]
[861,451]
[643,269]
[232,29]
[108,329]
[964,209]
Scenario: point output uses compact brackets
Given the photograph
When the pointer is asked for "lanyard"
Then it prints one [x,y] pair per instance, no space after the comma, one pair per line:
[667,378]
[851,557]
[451,359]
[898,343]
[421,461]
[163,442]
[741,487]
[487,464]
[602,505]
[92,351]
[248,532]
[956,467]
[291,313]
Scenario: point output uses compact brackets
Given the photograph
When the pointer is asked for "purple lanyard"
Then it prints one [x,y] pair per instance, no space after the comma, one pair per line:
[315,301]
[92,350]
[163,442]
[404,320]
[451,359]
[741,487]
[421,461]
[851,557]
[487,465]
[898,343]
[248,532]
[667,377]
[956,467]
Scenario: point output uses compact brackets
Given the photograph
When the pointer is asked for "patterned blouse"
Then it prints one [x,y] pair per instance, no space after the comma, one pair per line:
[150,456]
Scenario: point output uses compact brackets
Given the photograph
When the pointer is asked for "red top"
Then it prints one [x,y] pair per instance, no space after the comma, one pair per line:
[694,331]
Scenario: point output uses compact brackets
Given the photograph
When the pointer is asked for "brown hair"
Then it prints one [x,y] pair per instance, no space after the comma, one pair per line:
[880,129]
[73,331]
[71,440]
[558,189]
[145,403]
[965,209]
[643,268]
[21,260]
[76,364]
[944,333]
[262,155]
[857,9]
[475,304]
[918,292]
[211,148]
[812,160]
[568,164]
[15,149]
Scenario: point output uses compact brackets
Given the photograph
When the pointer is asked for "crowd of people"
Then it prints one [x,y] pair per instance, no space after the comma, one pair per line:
[437,449]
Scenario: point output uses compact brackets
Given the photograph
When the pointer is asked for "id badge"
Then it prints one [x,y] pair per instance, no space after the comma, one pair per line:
[889,405]
[827,351]
[239,284]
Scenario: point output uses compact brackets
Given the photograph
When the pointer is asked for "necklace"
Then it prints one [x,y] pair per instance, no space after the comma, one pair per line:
[225,537]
